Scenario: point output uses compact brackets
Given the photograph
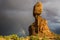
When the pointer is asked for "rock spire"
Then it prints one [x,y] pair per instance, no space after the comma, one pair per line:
[40,26]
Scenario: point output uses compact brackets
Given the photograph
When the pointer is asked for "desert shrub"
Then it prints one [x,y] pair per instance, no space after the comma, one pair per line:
[22,38]
[12,37]
[44,38]
[34,38]
[7,37]
[57,37]
[1,36]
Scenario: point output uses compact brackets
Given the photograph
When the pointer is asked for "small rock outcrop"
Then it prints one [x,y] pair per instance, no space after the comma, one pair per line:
[40,26]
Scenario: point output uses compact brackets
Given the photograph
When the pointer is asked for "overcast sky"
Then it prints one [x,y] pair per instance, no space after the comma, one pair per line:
[17,15]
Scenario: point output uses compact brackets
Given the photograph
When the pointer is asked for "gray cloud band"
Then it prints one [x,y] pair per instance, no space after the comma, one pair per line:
[16,15]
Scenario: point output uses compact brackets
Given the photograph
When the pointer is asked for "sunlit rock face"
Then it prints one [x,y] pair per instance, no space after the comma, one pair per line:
[40,26]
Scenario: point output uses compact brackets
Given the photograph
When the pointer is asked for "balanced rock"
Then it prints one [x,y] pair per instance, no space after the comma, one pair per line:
[40,26]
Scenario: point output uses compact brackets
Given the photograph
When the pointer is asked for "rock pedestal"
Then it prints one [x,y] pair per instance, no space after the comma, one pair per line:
[40,26]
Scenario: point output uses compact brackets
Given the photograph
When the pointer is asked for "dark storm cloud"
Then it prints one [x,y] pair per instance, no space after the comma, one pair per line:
[16,15]
[52,11]
[12,22]
[55,27]
[19,4]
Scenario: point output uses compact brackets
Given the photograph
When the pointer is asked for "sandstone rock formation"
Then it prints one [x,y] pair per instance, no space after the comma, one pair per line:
[40,26]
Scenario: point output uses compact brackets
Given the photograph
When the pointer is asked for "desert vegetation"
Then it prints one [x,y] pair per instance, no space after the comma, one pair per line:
[15,37]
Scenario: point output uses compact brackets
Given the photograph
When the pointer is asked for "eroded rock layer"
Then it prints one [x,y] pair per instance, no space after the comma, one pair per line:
[40,26]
